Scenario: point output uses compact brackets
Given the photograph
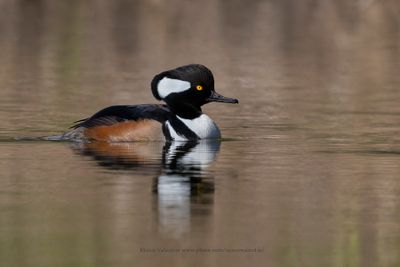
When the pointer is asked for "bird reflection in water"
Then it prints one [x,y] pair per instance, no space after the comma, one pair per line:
[183,186]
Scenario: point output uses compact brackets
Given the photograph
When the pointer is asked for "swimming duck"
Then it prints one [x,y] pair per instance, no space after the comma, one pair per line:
[184,90]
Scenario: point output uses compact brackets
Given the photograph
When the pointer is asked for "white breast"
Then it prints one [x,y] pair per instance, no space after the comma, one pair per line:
[203,126]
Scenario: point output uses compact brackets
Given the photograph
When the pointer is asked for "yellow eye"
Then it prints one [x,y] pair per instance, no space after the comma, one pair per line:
[199,87]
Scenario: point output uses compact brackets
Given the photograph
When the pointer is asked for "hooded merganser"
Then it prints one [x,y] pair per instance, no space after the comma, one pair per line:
[184,90]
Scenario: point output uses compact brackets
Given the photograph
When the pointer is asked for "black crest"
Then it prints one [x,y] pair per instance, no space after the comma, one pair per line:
[193,73]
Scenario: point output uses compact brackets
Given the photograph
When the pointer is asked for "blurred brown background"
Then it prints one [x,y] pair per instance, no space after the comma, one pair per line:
[309,174]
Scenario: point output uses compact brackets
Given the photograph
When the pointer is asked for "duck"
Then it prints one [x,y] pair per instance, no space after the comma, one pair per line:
[184,90]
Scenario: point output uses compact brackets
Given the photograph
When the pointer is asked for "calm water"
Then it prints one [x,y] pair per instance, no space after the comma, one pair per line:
[308,172]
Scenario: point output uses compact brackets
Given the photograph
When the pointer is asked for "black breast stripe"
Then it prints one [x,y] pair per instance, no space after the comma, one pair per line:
[166,132]
[181,129]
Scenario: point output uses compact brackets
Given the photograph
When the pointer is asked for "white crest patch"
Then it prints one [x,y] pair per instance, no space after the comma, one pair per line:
[168,86]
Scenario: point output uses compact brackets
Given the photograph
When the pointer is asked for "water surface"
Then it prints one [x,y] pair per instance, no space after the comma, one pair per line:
[307,173]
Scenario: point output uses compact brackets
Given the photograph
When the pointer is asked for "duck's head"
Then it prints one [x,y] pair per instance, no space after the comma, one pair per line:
[191,84]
